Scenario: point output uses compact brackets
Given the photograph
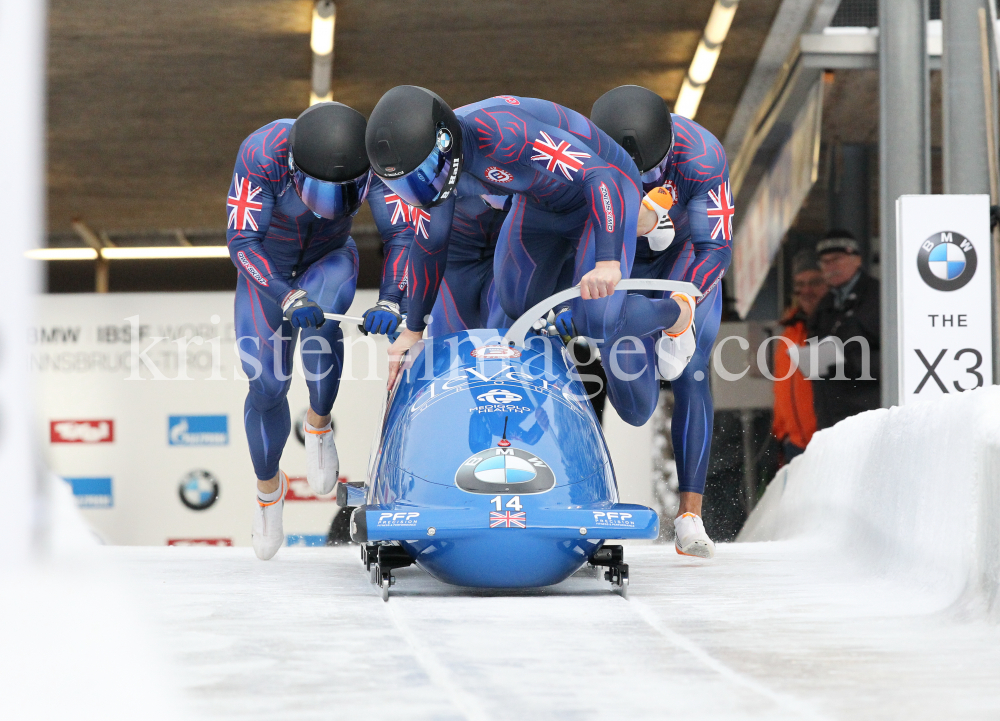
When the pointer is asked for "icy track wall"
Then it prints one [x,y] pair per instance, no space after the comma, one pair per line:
[910,492]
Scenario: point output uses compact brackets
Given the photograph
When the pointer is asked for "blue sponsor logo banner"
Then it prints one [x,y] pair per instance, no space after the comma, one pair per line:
[305,539]
[92,492]
[198,430]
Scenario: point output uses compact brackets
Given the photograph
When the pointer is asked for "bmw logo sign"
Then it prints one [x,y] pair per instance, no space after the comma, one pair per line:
[199,490]
[505,470]
[947,260]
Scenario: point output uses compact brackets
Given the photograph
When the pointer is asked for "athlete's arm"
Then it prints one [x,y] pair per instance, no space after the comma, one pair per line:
[710,216]
[392,218]
[427,259]
[250,203]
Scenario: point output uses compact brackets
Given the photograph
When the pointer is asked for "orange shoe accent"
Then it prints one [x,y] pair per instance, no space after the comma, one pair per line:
[283,485]
[689,555]
[690,301]
[316,433]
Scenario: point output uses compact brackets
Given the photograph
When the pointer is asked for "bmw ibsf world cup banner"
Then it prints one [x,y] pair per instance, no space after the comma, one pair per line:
[944,257]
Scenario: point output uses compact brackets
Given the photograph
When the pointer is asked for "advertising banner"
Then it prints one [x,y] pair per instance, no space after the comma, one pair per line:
[140,403]
[944,301]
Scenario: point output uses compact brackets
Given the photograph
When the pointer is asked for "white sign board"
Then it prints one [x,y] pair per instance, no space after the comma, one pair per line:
[944,301]
[166,461]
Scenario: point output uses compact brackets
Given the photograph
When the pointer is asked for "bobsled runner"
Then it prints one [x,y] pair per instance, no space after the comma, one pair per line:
[491,469]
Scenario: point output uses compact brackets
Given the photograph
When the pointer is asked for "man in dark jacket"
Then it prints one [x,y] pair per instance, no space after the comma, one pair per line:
[850,310]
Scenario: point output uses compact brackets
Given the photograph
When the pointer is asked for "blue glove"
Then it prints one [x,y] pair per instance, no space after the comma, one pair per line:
[302,312]
[382,319]
[564,322]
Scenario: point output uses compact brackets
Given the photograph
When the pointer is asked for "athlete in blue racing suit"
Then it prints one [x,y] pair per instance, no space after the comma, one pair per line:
[576,195]
[695,173]
[294,265]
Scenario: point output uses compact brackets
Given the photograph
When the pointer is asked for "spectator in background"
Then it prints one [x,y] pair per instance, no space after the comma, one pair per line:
[848,310]
[794,418]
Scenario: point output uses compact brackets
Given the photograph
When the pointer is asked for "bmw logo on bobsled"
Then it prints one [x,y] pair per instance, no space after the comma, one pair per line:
[491,469]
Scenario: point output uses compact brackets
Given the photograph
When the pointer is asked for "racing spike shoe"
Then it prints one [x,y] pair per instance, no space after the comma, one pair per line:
[690,538]
[675,350]
[322,463]
[268,534]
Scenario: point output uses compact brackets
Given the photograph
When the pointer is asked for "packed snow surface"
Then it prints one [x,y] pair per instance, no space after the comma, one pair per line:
[867,589]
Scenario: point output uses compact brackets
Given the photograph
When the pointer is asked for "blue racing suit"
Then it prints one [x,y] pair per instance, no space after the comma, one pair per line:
[697,177]
[576,195]
[279,246]
[467,297]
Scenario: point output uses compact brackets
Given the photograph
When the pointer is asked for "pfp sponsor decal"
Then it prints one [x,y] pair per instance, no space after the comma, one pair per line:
[82,431]
[198,430]
[399,518]
[615,519]
[947,261]
[497,175]
[92,492]
[494,352]
[198,490]
[609,211]
[251,268]
[505,470]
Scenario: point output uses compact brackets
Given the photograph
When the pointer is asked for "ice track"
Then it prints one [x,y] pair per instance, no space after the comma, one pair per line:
[764,631]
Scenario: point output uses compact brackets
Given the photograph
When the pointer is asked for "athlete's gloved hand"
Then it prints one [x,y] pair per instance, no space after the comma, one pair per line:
[382,319]
[661,235]
[564,322]
[302,312]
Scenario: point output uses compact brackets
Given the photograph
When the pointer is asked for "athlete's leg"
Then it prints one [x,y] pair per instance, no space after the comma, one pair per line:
[331,282]
[266,342]
[693,409]
[631,379]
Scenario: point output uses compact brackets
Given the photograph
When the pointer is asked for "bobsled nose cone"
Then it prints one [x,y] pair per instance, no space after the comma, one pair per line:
[359,525]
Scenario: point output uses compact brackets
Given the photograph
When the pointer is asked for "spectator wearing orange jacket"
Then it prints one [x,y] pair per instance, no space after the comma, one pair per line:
[794,417]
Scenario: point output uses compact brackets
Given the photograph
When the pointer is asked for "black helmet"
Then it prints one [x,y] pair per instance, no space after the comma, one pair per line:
[637,119]
[327,159]
[414,143]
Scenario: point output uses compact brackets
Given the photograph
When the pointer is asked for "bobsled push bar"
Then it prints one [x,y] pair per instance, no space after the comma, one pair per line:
[515,336]
[357,320]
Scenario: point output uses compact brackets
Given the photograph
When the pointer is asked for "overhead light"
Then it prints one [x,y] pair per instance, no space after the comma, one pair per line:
[705,57]
[719,21]
[323,19]
[61,254]
[688,99]
[703,64]
[165,252]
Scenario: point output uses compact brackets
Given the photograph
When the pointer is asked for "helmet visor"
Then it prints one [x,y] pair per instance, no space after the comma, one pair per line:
[328,199]
[654,176]
[430,182]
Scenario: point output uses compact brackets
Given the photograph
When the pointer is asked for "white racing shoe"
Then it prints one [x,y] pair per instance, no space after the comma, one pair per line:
[322,462]
[268,533]
[675,350]
[690,537]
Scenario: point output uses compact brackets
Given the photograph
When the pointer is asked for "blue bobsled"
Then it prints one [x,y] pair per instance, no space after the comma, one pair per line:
[491,469]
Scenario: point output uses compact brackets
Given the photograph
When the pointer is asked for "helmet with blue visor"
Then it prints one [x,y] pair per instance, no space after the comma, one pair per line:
[638,120]
[327,160]
[414,143]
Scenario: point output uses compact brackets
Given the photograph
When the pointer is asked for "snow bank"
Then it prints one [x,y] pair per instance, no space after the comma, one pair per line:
[77,643]
[911,492]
